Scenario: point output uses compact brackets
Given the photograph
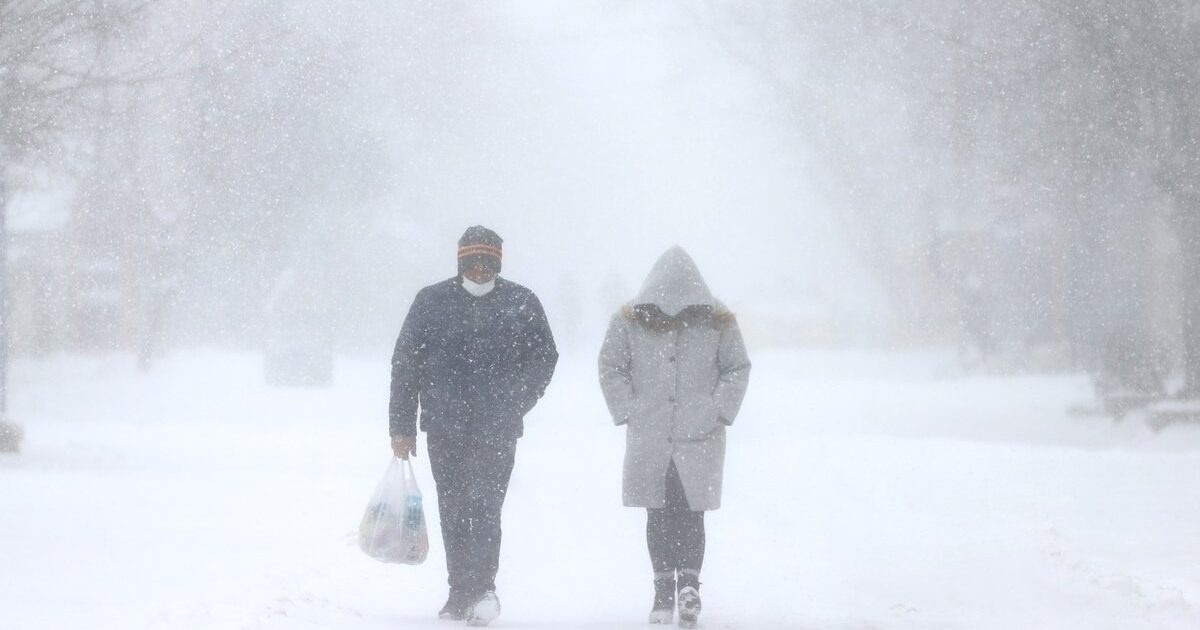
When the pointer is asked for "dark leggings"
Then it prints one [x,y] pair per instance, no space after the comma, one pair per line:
[675,533]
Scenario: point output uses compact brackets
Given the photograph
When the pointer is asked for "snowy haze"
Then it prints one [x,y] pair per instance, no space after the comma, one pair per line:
[356,141]
[593,137]
[955,234]
[937,172]
[594,146]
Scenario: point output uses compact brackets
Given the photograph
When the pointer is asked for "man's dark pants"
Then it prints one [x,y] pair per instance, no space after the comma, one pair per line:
[471,473]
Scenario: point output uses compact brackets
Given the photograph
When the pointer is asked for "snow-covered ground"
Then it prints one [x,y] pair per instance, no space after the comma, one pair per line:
[862,492]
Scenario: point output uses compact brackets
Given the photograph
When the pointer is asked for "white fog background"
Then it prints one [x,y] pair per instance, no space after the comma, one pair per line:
[961,238]
[357,140]
[845,173]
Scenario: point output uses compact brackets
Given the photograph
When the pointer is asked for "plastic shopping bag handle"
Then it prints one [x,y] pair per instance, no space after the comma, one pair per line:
[409,475]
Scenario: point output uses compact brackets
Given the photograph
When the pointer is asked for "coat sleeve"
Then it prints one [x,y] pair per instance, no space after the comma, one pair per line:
[616,373]
[408,361]
[734,365]
[537,358]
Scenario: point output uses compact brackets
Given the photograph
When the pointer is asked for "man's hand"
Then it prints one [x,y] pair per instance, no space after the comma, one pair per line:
[404,445]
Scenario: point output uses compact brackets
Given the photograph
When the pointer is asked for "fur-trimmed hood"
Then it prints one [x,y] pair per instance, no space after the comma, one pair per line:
[674,284]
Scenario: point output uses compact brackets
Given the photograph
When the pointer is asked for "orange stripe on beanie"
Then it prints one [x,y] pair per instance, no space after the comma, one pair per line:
[485,250]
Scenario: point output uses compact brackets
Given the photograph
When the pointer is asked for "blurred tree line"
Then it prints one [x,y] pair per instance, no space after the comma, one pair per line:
[1020,175]
[1023,174]
[210,149]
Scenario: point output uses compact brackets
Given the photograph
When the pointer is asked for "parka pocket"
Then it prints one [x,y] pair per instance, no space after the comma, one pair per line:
[696,418]
[639,412]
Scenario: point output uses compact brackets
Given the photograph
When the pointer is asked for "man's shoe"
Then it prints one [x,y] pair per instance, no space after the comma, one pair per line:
[455,608]
[485,610]
[689,607]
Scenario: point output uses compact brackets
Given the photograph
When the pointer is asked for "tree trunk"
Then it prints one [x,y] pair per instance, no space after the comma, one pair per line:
[1189,233]
[10,433]
[3,295]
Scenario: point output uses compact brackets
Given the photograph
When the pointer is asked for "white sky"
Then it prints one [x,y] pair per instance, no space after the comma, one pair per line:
[593,139]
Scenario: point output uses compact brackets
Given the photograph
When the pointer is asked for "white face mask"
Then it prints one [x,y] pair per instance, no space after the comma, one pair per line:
[479,290]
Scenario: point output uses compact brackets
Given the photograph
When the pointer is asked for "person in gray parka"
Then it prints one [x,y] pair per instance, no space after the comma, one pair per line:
[674,369]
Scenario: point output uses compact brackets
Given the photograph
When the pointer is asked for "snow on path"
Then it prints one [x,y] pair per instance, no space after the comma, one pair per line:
[862,493]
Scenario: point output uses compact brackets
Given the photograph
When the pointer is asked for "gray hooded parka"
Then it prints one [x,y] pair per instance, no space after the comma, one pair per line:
[674,369]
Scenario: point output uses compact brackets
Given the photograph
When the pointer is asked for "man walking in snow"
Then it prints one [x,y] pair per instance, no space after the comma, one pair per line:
[474,355]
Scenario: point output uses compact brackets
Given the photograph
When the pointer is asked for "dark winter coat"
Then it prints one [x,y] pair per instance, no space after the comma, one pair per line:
[471,364]
[676,383]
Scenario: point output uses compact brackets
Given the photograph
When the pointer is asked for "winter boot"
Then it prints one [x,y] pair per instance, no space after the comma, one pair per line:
[664,598]
[456,608]
[689,607]
[689,598]
[485,610]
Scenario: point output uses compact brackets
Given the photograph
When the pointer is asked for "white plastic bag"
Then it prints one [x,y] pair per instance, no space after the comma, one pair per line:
[393,527]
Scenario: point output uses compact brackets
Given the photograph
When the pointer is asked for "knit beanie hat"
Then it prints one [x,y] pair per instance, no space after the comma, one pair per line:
[480,246]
